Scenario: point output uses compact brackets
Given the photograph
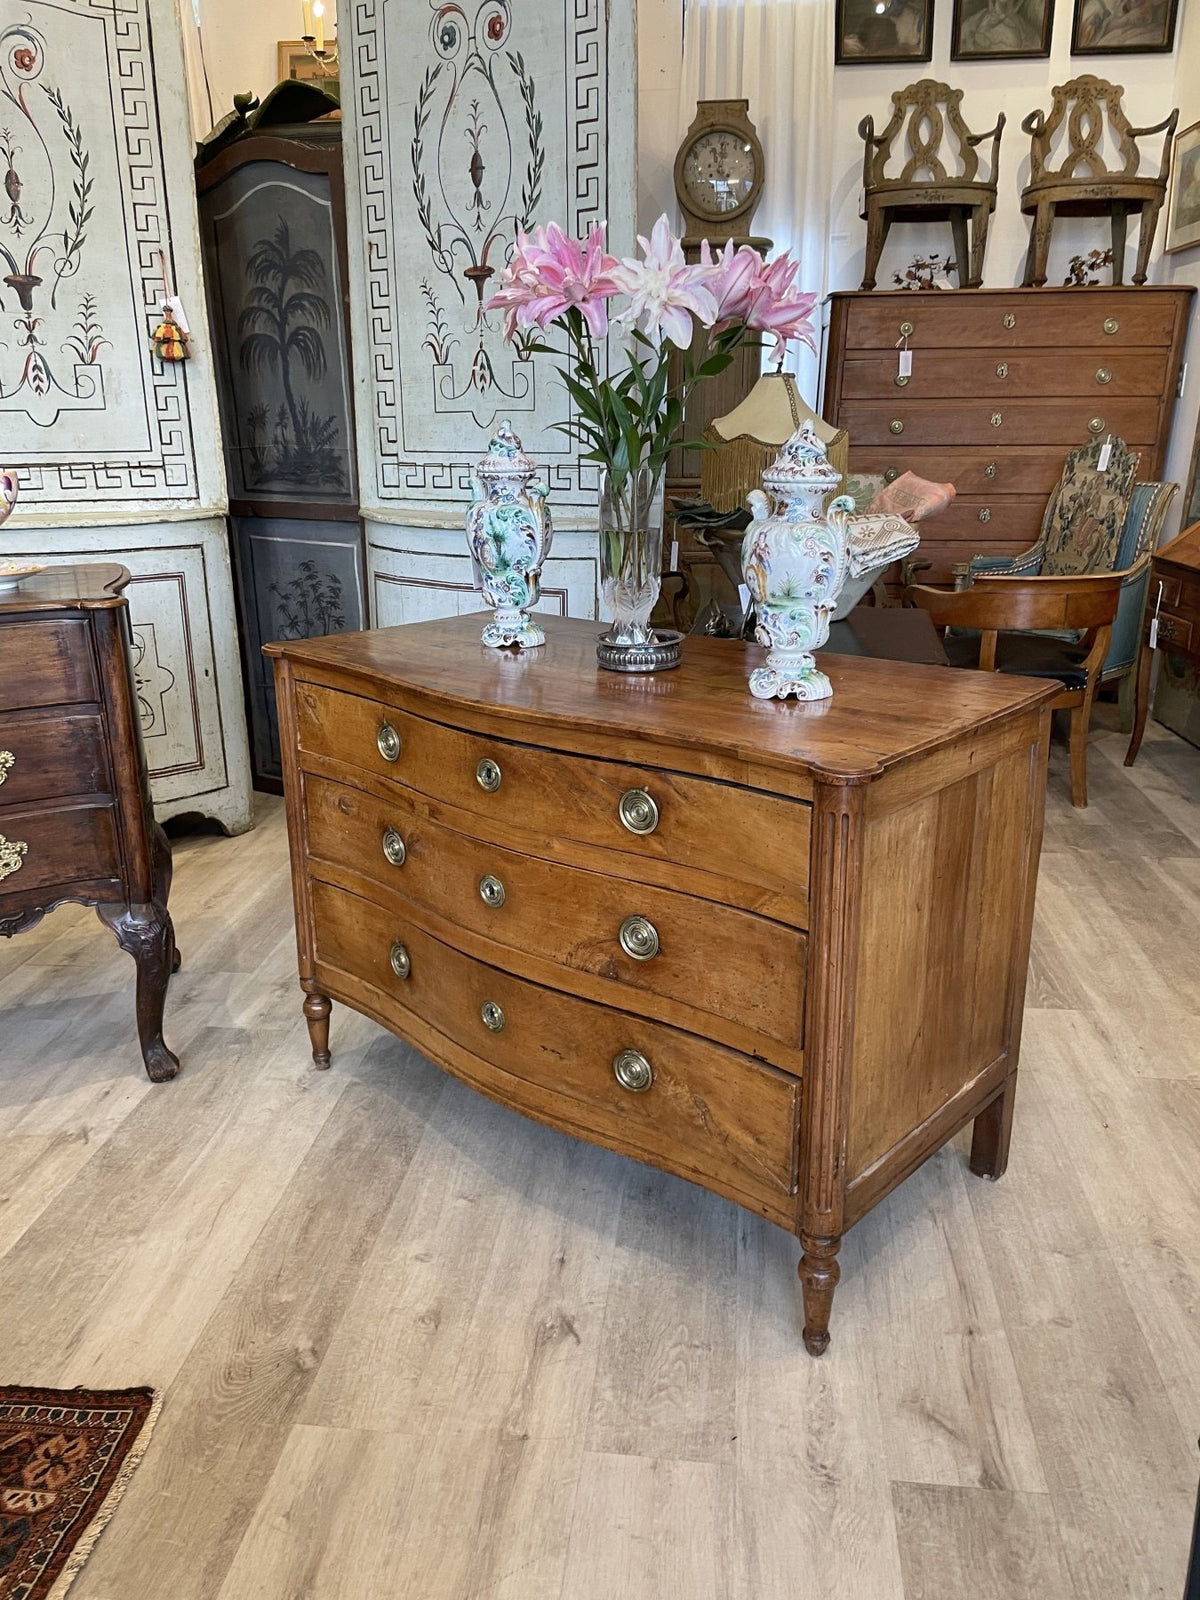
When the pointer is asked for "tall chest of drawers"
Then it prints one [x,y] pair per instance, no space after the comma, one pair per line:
[777,949]
[1003,382]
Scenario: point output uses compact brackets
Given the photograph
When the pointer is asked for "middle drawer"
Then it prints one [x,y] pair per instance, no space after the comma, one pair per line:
[655,951]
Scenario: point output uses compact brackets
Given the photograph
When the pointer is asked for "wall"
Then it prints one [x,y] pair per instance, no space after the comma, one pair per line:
[240,40]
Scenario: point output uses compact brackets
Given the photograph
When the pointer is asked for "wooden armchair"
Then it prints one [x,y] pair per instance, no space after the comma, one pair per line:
[924,191]
[1082,185]
[1006,611]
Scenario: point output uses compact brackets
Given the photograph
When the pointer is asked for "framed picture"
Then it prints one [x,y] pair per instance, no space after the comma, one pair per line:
[1191,504]
[1183,199]
[294,61]
[1123,27]
[883,30]
[1001,30]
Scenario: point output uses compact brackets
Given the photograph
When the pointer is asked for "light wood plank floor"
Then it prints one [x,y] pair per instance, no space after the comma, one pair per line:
[414,1346]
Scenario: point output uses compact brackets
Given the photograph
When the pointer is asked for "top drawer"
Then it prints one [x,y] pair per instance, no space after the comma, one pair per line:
[45,663]
[1007,375]
[1095,319]
[648,825]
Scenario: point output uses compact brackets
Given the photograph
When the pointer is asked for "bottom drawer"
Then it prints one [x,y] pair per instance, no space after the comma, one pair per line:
[68,844]
[708,1113]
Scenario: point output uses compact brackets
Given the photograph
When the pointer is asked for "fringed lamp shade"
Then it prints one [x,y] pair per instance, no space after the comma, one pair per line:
[749,437]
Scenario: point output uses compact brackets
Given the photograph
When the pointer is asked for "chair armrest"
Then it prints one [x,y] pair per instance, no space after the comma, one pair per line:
[1135,573]
[1028,562]
[1167,125]
[1033,123]
[992,133]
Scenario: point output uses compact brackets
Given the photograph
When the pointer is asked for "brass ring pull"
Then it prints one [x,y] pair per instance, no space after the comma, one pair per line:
[896,425]
[492,1016]
[388,741]
[1010,319]
[487,775]
[633,1071]
[1002,369]
[900,381]
[990,470]
[394,848]
[638,811]
[12,852]
[400,960]
[1103,374]
[1111,324]
[891,475]
[639,938]
[1096,425]
[7,761]
[997,419]
[491,890]
[906,328]
[985,514]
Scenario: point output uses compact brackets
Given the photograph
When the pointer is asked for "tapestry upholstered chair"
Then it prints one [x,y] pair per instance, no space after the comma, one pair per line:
[924,190]
[1082,184]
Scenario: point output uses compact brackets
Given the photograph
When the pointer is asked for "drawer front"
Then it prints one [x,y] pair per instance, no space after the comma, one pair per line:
[1007,375]
[63,845]
[1091,319]
[708,1110]
[45,663]
[971,471]
[752,847]
[1174,632]
[994,424]
[977,519]
[42,758]
[716,963]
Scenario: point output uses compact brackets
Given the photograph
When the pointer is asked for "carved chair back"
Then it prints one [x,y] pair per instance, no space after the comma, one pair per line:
[931,111]
[1090,107]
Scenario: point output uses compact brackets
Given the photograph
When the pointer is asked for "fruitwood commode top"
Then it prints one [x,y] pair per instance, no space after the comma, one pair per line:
[778,949]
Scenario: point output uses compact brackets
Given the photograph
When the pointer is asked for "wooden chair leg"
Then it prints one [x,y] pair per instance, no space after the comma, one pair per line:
[1125,702]
[1043,228]
[1146,234]
[1120,221]
[1077,743]
[980,221]
[878,224]
[962,253]
[1141,702]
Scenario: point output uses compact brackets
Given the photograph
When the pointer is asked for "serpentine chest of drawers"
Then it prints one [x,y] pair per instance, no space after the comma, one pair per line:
[777,949]
[1003,383]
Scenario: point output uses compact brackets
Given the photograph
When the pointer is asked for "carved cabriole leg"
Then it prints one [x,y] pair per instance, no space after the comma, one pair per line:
[145,933]
[993,1131]
[878,223]
[835,906]
[962,253]
[316,1013]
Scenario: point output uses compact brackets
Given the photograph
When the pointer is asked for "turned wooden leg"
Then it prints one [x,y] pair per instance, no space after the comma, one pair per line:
[1146,232]
[992,1132]
[819,1274]
[1141,702]
[145,932]
[316,1013]
[879,221]
[1120,222]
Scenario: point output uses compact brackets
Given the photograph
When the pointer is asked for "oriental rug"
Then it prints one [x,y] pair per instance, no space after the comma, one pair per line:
[66,1456]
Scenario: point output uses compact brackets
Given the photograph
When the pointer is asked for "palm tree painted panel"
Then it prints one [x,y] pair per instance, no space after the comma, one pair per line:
[275,301]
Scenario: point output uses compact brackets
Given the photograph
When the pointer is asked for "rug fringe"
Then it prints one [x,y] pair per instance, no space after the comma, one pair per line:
[87,1540]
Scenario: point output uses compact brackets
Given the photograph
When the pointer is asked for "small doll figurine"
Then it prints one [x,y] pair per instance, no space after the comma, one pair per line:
[169,339]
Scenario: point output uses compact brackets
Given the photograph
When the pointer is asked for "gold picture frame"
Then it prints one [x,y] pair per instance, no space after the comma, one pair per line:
[294,61]
[1183,196]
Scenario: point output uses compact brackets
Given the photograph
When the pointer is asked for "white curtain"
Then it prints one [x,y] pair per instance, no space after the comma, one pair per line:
[202,113]
[778,54]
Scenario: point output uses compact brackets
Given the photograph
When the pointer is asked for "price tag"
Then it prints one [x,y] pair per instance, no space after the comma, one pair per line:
[1154,634]
[173,302]
[1154,619]
[905,363]
[1105,453]
[674,567]
[744,597]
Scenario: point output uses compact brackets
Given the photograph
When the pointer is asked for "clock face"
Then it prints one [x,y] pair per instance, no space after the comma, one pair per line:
[719,171]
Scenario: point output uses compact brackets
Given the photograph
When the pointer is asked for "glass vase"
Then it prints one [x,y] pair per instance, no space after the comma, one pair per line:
[631,573]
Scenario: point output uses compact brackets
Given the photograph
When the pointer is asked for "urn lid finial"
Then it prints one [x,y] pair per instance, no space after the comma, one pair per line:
[505,457]
[802,461]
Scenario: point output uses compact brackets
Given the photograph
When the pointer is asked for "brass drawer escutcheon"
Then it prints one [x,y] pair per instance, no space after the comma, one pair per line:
[394,848]
[997,419]
[633,1071]
[492,1016]
[990,470]
[639,938]
[985,514]
[896,425]
[1096,425]
[400,959]
[487,775]
[1103,374]
[12,852]
[7,762]
[1010,319]
[1002,370]
[388,741]
[638,811]
[491,890]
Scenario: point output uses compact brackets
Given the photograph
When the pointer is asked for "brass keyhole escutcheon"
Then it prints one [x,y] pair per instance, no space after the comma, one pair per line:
[639,938]
[388,741]
[985,514]
[1111,324]
[12,853]
[896,425]
[491,890]
[492,1016]
[399,958]
[1010,319]
[1103,374]
[1002,370]
[900,381]
[1096,425]
[891,475]
[996,419]
[487,775]
[394,848]
[638,811]
[633,1071]
[7,762]
[906,329]
[990,470]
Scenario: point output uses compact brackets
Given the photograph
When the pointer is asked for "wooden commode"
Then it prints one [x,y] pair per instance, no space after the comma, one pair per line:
[777,949]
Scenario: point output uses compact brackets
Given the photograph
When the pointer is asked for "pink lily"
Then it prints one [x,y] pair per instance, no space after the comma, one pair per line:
[549,273]
[779,308]
[665,293]
[733,277]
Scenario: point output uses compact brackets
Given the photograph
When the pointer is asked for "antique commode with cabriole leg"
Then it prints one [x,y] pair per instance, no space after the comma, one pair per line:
[778,949]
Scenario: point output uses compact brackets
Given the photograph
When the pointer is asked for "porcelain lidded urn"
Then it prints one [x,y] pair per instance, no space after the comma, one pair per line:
[795,559]
[509,531]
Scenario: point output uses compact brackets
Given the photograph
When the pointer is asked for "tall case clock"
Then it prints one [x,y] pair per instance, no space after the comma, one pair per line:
[719,172]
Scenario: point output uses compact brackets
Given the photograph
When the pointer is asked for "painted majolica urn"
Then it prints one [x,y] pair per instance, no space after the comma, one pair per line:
[795,559]
[8,493]
[509,531]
